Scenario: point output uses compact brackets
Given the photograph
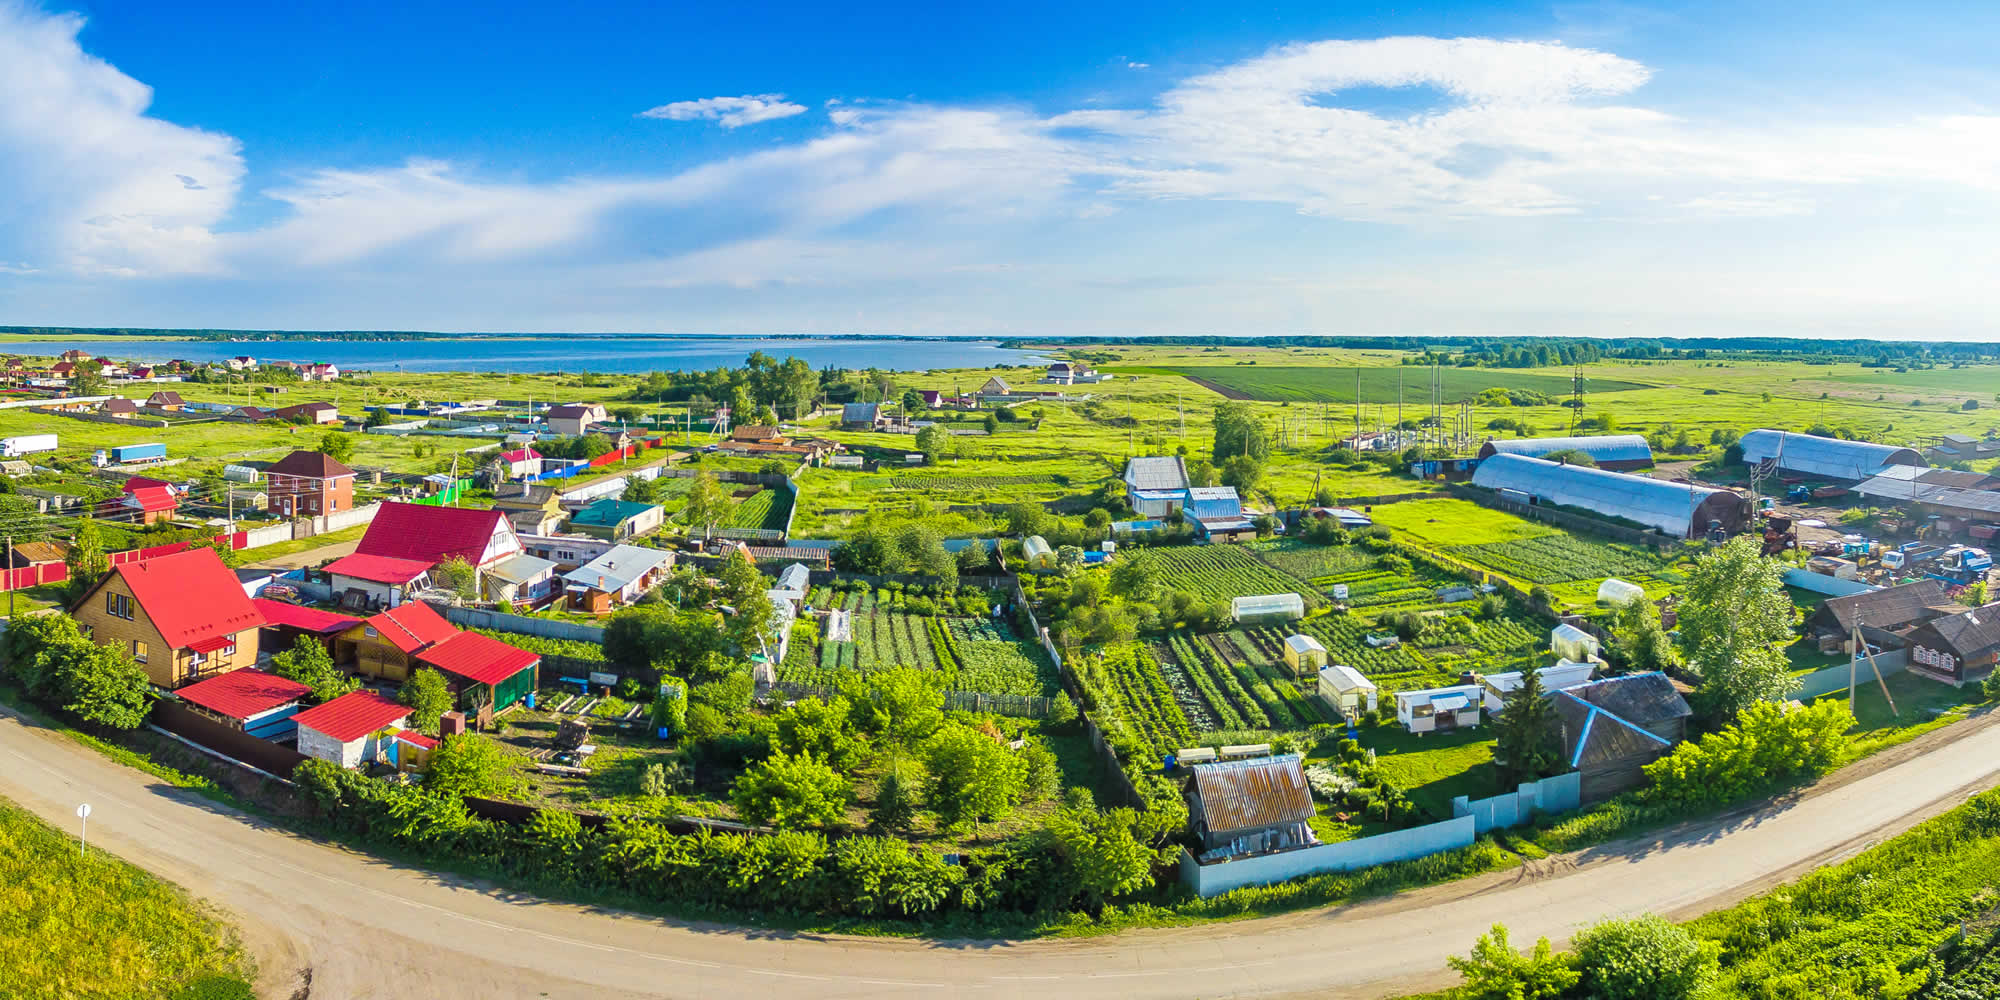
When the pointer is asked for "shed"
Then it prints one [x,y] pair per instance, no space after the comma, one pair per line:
[520,579]
[1682,510]
[1266,608]
[1344,688]
[284,623]
[1254,806]
[480,663]
[1440,709]
[1616,592]
[1617,452]
[1304,654]
[1036,553]
[1572,643]
[343,731]
[259,704]
[1822,456]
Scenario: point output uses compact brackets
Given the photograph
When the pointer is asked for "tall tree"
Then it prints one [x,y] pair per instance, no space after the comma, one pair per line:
[1734,619]
[743,588]
[707,504]
[1238,431]
[428,698]
[86,559]
[1526,734]
[903,705]
[974,776]
[337,445]
[934,441]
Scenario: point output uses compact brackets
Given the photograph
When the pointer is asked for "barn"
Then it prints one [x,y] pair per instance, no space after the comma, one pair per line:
[1832,458]
[1616,452]
[1678,509]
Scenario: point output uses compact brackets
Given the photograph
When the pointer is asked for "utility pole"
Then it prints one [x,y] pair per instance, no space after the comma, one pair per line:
[10,569]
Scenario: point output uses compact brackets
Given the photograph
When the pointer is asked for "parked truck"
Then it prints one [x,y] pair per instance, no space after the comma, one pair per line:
[1910,555]
[27,444]
[1961,564]
[126,453]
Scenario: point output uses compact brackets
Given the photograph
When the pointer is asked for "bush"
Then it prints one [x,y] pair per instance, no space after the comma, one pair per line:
[1643,959]
[1766,742]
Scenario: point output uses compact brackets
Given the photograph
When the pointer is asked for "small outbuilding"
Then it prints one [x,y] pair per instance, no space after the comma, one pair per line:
[1253,806]
[1036,553]
[1304,654]
[1611,729]
[1572,643]
[1346,690]
[1440,710]
[259,704]
[343,731]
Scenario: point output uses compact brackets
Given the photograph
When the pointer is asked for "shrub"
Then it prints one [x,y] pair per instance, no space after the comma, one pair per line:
[1766,742]
[1643,959]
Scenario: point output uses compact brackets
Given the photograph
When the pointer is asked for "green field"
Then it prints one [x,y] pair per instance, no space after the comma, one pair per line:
[95,927]
[1380,385]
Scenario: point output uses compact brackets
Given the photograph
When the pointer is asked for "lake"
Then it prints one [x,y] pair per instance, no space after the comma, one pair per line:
[595,353]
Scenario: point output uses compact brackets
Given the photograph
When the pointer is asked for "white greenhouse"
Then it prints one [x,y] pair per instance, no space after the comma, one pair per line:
[1821,456]
[1678,509]
[1036,552]
[1266,608]
[1343,688]
[1304,654]
[1618,593]
[1572,643]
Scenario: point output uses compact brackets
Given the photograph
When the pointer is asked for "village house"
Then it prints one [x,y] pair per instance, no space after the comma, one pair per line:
[618,577]
[63,369]
[144,502]
[253,414]
[165,400]
[385,646]
[242,362]
[182,617]
[1156,486]
[1886,616]
[532,510]
[308,484]
[144,372]
[520,462]
[1957,649]
[310,413]
[1252,806]
[1216,514]
[119,406]
[73,356]
[1612,728]
[319,372]
[249,701]
[483,671]
[406,541]
[617,520]
[344,731]
[573,419]
[862,417]
[520,579]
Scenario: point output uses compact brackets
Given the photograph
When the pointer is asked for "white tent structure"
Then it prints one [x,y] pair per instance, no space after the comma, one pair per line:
[1617,593]
[1264,608]
[1035,550]
[1572,643]
[1822,456]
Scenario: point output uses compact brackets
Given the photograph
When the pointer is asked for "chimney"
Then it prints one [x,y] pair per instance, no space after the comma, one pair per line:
[451,724]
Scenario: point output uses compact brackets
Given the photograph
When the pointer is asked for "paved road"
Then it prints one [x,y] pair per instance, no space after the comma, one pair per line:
[369,928]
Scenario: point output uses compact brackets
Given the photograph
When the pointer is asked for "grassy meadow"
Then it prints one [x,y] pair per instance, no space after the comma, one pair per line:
[80,927]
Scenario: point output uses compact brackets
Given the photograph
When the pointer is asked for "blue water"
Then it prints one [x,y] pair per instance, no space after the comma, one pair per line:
[549,354]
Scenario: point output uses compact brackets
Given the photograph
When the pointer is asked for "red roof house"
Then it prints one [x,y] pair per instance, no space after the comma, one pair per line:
[386,645]
[183,617]
[143,502]
[258,703]
[304,619]
[343,730]
[378,569]
[434,534]
[472,661]
[411,627]
[308,484]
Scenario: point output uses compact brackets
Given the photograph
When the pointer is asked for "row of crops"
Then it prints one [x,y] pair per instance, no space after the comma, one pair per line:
[1312,562]
[974,654]
[1131,693]
[1562,558]
[1221,572]
[1227,685]
[948,483]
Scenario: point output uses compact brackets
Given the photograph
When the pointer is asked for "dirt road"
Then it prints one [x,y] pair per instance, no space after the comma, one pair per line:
[362,927]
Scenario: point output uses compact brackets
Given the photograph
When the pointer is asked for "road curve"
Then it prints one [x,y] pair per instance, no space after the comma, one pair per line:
[363,927]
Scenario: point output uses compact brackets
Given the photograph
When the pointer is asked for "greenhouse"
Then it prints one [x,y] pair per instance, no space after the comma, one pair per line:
[1616,452]
[1822,456]
[1572,643]
[1036,553]
[1678,509]
[1267,608]
[1617,592]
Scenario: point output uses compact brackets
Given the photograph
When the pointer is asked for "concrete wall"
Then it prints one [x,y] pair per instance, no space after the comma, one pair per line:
[270,534]
[1834,678]
[313,743]
[1267,869]
[547,628]
[350,518]
[1549,795]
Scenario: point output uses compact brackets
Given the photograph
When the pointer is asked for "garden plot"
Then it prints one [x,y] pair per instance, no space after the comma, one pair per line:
[1312,562]
[1140,709]
[1221,572]
[973,654]
[1563,559]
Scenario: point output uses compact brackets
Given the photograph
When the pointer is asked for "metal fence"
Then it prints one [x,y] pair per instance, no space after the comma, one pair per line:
[1017,706]
[500,621]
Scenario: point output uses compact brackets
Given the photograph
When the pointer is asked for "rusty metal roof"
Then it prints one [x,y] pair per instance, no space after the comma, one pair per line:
[1252,794]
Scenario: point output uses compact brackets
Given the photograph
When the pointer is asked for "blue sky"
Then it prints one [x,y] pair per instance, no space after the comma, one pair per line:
[1703,169]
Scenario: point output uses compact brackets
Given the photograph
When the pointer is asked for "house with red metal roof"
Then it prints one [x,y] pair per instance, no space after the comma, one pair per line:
[308,484]
[386,645]
[260,704]
[406,540]
[344,730]
[144,502]
[483,670]
[362,580]
[182,617]
[521,462]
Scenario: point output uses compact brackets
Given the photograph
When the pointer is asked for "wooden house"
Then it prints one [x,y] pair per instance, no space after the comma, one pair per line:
[1957,649]
[182,617]
[386,645]
[1612,728]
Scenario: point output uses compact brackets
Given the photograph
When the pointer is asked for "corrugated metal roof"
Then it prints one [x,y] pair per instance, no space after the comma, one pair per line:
[1891,607]
[1205,502]
[1821,456]
[1156,473]
[1641,699]
[1253,794]
[240,694]
[1603,448]
[353,715]
[618,568]
[1656,503]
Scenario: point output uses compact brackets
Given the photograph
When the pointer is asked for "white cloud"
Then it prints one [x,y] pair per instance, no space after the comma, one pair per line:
[729,112]
[92,183]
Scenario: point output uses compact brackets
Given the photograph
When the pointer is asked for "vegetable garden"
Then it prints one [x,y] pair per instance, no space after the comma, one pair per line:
[973,653]
[1221,572]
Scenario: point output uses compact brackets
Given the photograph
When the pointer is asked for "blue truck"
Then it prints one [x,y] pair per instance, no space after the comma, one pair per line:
[125,453]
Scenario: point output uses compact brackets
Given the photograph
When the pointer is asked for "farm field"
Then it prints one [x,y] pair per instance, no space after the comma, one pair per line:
[121,932]
[1275,383]
[1529,552]
[1220,572]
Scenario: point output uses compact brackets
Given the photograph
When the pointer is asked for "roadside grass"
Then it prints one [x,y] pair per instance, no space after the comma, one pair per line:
[88,925]
[279,550]
[27,599]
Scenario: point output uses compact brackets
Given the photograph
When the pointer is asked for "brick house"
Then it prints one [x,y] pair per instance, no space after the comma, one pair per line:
[183,617]
[308,484]
[343,731]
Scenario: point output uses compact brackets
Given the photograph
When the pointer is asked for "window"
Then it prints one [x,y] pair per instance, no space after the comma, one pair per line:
[138,651]
[197,659]
[369,631]
[118,606]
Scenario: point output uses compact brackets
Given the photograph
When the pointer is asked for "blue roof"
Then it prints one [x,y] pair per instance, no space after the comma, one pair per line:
[1214,501]
[609,512]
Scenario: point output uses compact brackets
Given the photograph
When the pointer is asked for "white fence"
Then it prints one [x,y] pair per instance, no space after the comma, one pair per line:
[1834,678]
[1266,869]
[349,518]
[270,534]
[1549,795]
